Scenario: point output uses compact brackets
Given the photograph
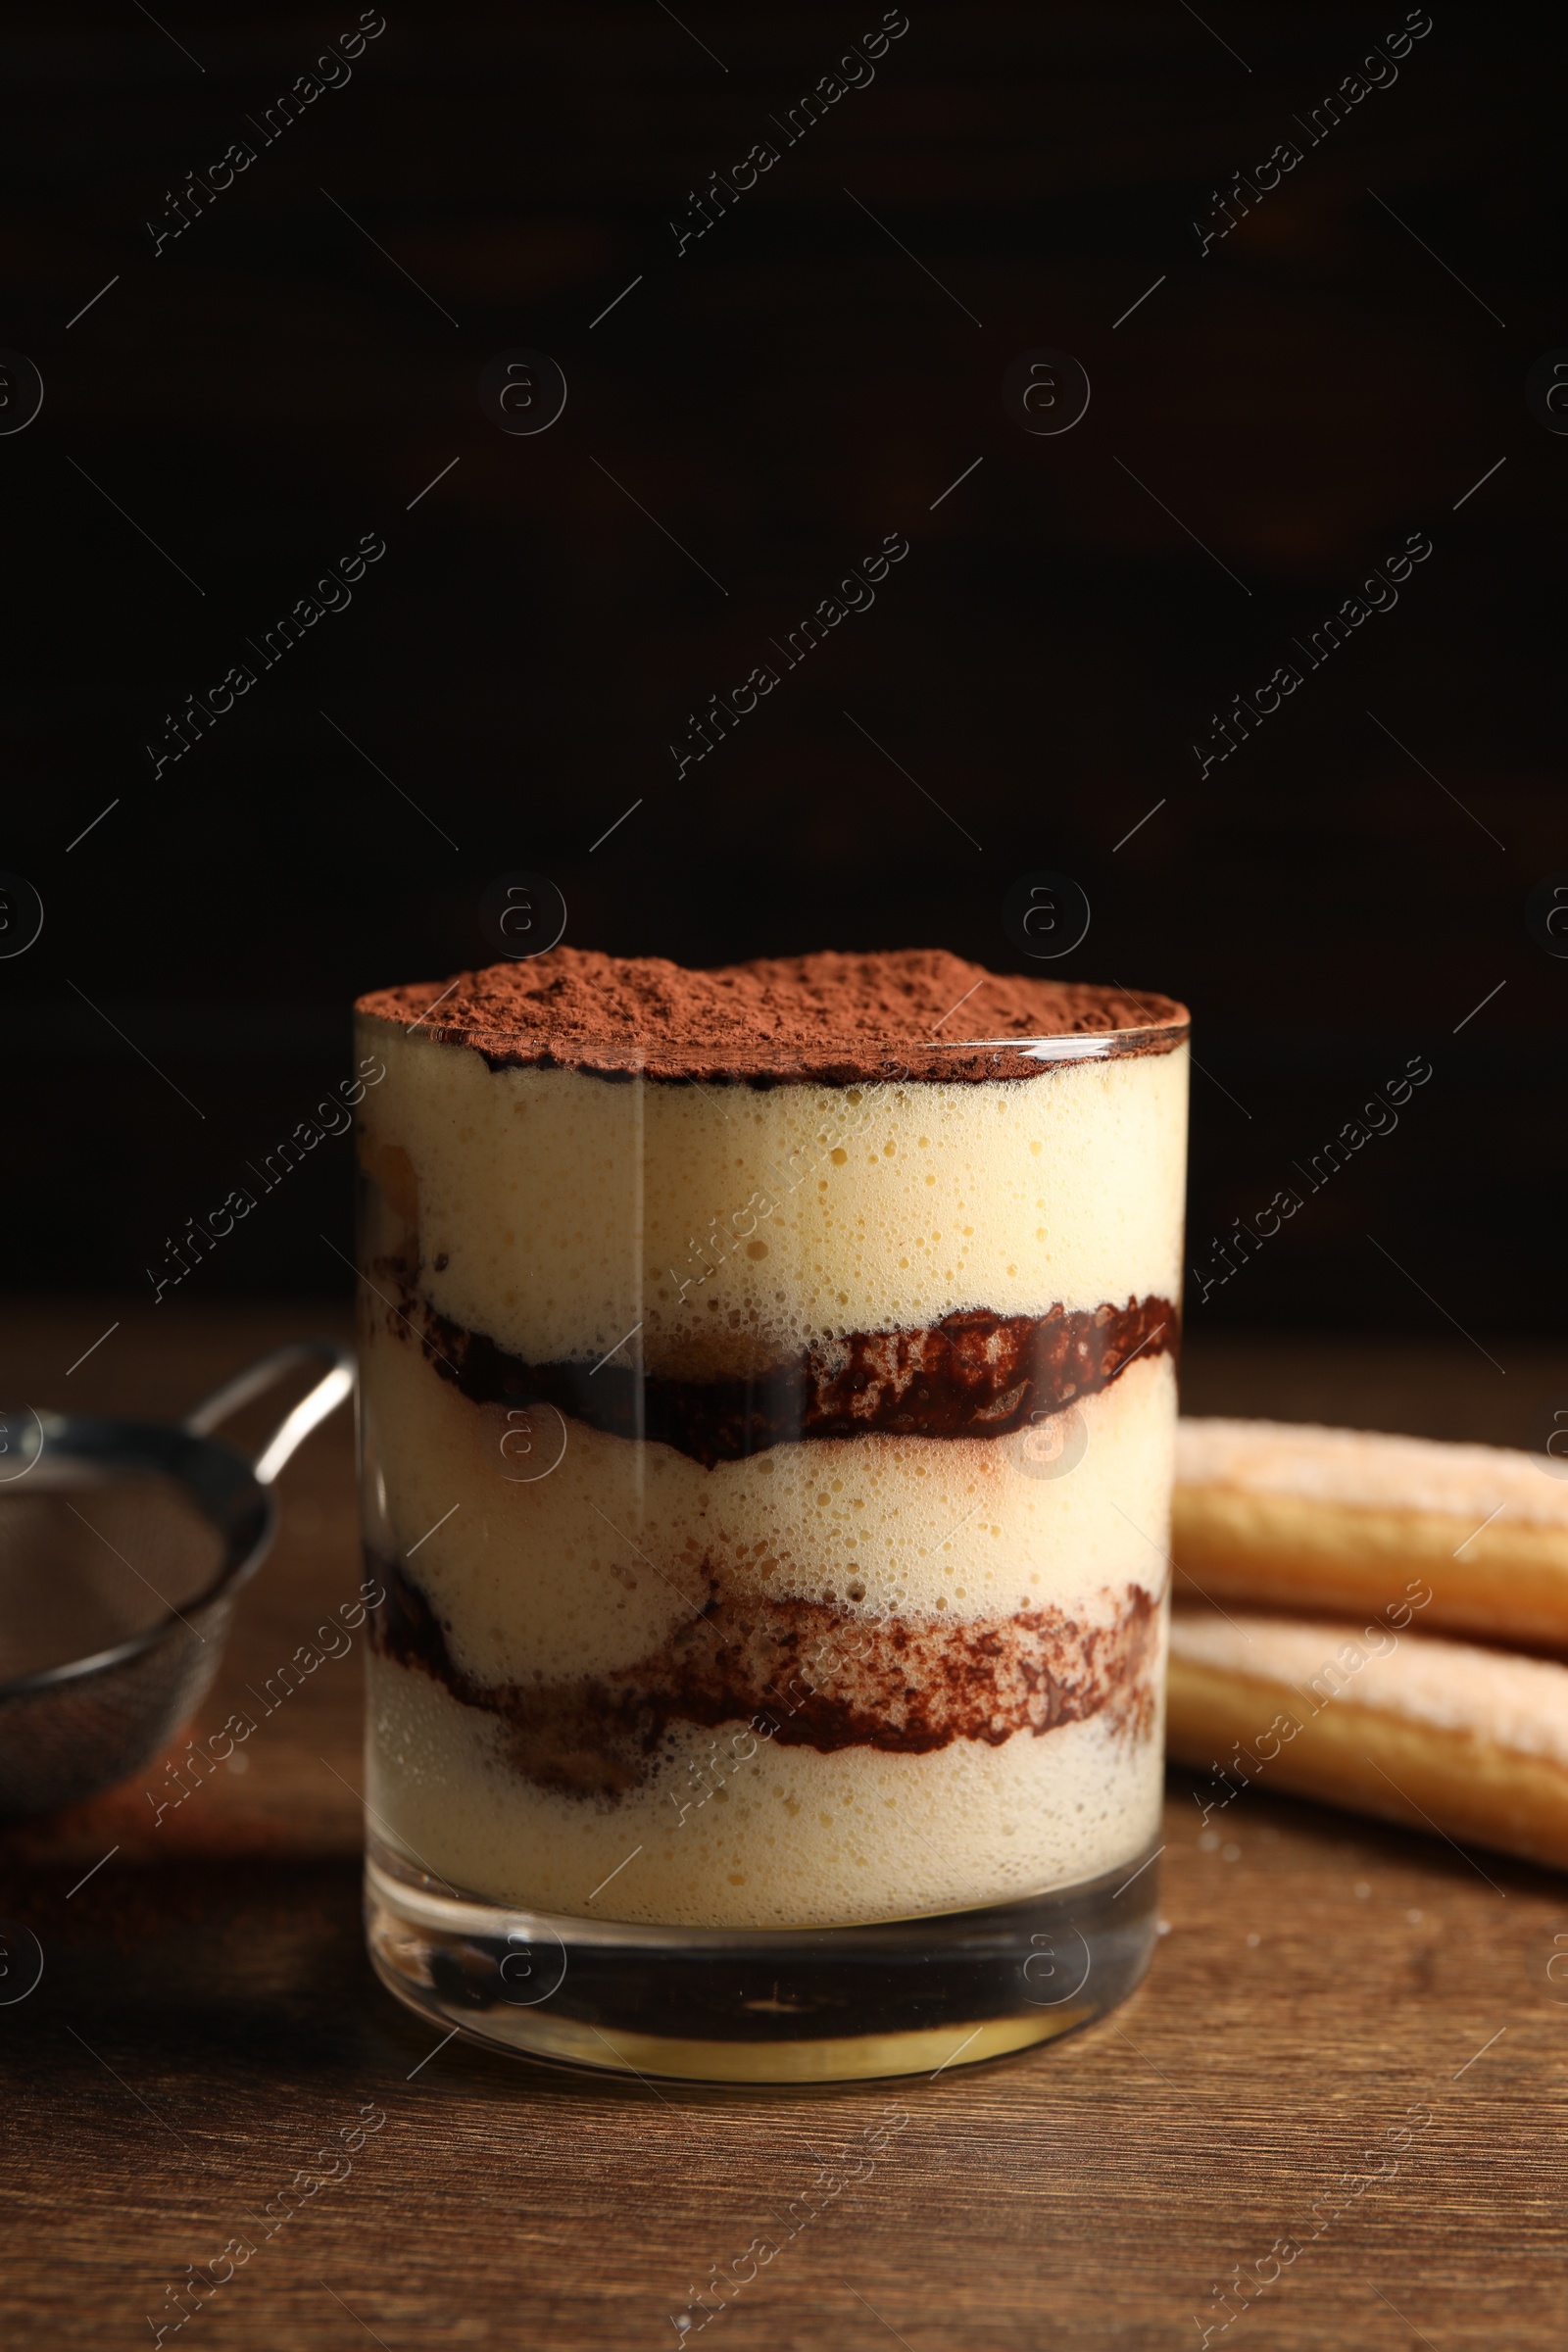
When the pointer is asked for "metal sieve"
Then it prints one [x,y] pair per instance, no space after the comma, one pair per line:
[123,1545]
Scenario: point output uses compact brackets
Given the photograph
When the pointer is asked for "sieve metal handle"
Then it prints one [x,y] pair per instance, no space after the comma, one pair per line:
[336,1383]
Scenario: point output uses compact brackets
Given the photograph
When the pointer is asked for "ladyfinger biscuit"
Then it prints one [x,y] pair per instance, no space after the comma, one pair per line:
[1287,1515]
[1436,1735]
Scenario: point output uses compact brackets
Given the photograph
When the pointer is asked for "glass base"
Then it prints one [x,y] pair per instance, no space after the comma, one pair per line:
[763,2005]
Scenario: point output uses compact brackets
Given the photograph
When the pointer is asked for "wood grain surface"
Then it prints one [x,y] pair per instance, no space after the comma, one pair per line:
[207,2022]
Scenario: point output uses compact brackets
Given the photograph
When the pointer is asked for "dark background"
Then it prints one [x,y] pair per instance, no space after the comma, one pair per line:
[789,390]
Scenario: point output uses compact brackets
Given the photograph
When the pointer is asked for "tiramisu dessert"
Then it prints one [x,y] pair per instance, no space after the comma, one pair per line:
[769,1411]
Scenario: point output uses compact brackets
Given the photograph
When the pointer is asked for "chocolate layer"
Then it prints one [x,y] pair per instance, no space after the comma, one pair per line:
[799,1674]
[827,1020]
[972,1375]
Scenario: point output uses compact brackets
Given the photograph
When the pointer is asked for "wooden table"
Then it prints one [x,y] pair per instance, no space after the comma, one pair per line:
[207,2020]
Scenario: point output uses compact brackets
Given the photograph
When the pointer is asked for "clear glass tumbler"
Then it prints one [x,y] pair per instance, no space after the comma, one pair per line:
[766,1464]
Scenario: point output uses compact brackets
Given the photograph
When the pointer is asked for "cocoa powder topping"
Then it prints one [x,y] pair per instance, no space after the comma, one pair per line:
[831,1018]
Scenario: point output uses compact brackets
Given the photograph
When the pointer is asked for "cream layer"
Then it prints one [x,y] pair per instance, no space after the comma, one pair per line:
[786,1837]
[596,1564]
[564,1215]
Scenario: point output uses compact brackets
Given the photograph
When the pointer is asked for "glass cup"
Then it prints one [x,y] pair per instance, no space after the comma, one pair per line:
[768,1486]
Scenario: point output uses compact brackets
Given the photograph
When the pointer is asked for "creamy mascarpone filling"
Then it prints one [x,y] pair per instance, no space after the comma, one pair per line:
[700,1228]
